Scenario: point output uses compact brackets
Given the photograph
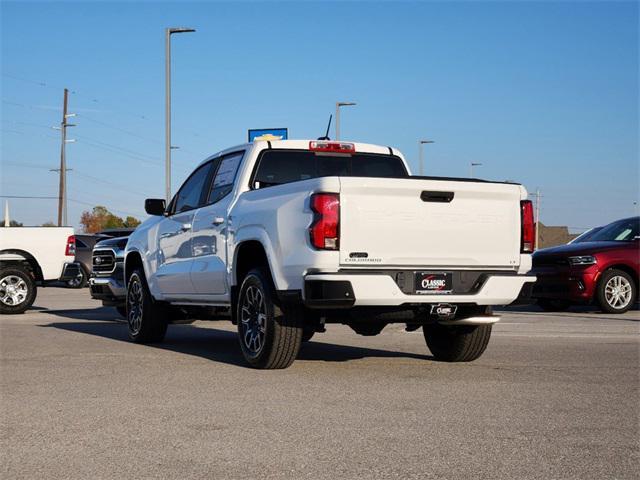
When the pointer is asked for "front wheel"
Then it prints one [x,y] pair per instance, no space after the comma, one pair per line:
[616,291]
[17,290]
[270,336]
[146,320]
[460,343]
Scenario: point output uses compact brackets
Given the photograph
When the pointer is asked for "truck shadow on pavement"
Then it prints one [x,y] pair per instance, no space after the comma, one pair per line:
[215,344]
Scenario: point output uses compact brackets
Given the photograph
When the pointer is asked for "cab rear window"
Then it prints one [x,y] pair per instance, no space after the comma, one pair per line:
[276,167]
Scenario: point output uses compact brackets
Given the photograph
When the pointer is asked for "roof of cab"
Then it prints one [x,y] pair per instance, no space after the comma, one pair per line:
[300,145]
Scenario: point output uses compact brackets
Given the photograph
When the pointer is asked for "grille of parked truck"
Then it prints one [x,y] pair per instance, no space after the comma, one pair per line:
[107,282]
[295,234]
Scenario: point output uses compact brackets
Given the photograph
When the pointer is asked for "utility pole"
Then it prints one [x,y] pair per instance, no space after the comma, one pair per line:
[62,189]
[537,216]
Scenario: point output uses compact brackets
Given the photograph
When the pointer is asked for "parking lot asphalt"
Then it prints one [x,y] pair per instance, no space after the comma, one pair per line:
[554,396]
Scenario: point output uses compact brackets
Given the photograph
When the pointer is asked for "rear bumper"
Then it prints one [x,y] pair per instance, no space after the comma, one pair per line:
[339,291]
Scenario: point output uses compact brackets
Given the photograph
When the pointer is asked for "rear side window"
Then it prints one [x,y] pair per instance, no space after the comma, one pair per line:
[225,176]
[276,167]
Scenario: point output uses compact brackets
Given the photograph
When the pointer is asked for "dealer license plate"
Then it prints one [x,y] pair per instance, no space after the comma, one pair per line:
[429,283]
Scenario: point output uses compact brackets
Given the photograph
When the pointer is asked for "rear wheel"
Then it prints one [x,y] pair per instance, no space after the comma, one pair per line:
[80,280]
[17,289]
[269,335]
[616,291]
[553,305]
[146,320]
[460,343]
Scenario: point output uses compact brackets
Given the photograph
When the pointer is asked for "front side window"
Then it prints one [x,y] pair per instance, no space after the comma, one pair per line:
[224,178]
[284,166]
[190,194]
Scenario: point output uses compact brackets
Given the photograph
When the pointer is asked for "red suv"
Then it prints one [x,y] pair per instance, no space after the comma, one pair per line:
[605,268]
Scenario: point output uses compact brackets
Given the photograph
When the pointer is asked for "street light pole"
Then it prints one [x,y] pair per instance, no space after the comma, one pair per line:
[420,144]
[471,168]
[338,105]
[167,99]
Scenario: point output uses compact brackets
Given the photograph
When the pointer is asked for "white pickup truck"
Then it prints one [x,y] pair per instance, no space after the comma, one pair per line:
[31,256]
[293,234]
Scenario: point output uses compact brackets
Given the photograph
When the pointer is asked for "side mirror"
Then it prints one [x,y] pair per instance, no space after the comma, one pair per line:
[154,206]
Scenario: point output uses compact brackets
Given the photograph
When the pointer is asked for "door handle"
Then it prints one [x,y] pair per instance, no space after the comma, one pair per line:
[217,221]
[185,227]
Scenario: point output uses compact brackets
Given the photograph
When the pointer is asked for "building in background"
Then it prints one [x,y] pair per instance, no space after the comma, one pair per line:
[554,236]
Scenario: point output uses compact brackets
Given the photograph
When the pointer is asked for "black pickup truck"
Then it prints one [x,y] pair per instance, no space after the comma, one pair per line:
[107,273]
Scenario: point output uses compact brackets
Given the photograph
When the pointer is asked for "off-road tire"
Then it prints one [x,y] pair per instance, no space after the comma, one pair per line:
[25,275]
[460,343]
[151,327]
[601,291]
[269,335]
[553,305]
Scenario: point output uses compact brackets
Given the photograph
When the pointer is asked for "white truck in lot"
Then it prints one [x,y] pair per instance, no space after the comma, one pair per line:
[30,256]
[293,234]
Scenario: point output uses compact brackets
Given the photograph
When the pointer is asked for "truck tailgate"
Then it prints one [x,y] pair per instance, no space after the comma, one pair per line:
[414,222]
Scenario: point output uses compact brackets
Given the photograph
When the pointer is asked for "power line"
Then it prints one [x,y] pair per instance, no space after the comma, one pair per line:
[26,165]
[116,149]
[99,144]
[107,182]
[129,132]
[120,129]
[92,98]
[27,196]
[83,175]
[35,82]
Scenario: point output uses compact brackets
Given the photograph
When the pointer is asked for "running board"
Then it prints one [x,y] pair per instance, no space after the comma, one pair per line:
[479,320]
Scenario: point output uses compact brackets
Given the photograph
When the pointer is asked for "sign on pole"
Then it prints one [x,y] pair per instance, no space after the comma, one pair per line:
[268,134]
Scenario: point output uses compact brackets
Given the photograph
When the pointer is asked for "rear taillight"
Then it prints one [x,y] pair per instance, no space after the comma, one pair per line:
[528,235]
[325,229]
[70,251]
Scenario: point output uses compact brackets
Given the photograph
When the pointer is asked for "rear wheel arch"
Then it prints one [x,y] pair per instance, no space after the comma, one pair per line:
[29,259]
[249,254]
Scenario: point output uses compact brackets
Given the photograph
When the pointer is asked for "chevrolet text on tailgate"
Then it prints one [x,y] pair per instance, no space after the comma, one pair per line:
[290,235]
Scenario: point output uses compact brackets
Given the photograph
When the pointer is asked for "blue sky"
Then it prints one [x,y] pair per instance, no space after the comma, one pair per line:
[541,93]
